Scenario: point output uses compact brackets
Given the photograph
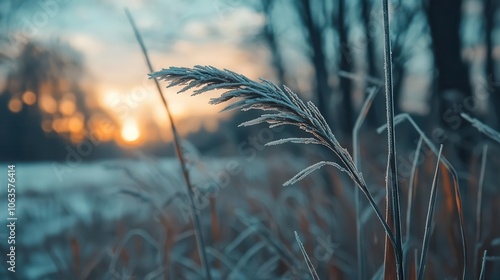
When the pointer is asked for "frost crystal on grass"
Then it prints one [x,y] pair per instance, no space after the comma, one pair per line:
[481,127]
[282,106]
[287,108]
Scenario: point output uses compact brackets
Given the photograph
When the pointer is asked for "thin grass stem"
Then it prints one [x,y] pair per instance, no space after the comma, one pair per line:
[197,224]
[357,161]
[310,266]
[392,189]
[478,241]
[412,191]
[483,266]
[458,199]
[358,78]
[481,127]
[282,107]
[430,214]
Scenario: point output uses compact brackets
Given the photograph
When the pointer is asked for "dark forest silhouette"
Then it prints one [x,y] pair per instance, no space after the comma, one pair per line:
[54,72]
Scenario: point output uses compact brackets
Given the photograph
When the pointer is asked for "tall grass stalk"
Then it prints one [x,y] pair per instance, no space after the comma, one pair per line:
[483,266]
[190,190]
[309,264]
[123,242]
[481,127]
[430,214]
[359,78]
[478,241]
[456,188]
[392,190]
[357,161]
[285,255]
[412,191]
[285,108]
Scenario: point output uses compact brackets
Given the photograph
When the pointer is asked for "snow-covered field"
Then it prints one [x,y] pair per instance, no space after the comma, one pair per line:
[91,205]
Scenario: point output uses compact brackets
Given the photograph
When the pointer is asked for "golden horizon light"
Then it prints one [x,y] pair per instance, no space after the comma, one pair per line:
[130,131]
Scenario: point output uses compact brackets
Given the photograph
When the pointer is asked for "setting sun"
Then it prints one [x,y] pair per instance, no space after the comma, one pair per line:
[110,98]
[130,131]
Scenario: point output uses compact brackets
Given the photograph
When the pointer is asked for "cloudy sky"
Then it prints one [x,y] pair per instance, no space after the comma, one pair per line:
[221,33]
[176,33]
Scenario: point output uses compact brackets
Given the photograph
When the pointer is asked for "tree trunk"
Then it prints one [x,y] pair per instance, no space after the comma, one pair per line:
[271,40]
[318,57]
[444,21]
[453,83]
[399,74]
[345,65]
[375,116]
[490,8]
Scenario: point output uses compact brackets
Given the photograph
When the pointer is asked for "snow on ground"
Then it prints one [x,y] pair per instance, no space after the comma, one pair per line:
[89,200]
[44,197]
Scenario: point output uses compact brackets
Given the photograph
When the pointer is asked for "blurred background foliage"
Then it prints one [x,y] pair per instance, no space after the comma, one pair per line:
[67,70]
[106,200]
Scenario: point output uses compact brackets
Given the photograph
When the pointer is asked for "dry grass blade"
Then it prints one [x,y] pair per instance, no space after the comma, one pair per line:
[272,241]
[359,122]
[294,140]
[428,222]
[366,214]
[458,199]
[481,127]
[290,110]
[358,78]
[392,190]
[483,266]
[197,225]
[357,161]
[268,266]
[308,170]
[309,264]
[478,241]
[285,106]
[412,190]
[237,241]
[236,272]
[121,246]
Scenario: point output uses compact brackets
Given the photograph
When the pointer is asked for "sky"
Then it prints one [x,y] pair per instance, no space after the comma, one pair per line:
[176,33]
[186,33]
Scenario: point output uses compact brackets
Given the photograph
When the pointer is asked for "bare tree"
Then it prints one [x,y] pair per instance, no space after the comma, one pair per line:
[490,9]
[270,37]
[452,82]
[345,65]
[453,76]
[314,32]
[375,115]
[40,81]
